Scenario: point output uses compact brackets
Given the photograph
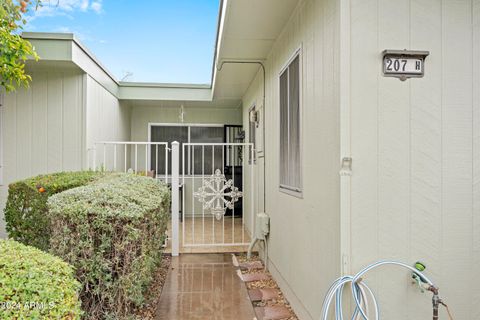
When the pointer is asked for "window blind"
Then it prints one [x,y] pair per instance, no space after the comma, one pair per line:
[290,150]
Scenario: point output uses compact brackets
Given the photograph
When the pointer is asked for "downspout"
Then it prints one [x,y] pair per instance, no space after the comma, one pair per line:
[219,68]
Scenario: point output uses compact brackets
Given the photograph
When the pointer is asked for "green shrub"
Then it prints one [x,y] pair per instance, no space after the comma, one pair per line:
[35,284]
[25,210]
[112,232]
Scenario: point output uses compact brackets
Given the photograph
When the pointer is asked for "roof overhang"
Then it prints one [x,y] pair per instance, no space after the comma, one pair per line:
[247,31]
[64,50]
[162,91]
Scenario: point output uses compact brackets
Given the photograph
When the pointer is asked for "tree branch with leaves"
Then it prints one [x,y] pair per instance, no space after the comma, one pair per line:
[14,50]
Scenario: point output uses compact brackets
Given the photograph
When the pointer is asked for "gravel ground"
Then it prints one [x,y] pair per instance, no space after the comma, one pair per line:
[280,301]
[147,312]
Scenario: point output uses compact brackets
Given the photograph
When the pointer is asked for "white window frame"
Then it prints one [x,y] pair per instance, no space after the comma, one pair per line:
[297,192]
[176,124]
[252,158]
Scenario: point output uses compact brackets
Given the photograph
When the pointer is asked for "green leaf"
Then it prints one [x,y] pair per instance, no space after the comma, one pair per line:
[14,50]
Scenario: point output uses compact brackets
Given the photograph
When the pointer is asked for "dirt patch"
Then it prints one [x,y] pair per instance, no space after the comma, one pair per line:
[242,257]
[263,284]
[147,312]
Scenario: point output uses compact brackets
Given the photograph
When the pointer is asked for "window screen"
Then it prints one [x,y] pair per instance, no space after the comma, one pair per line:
[166,134]
[193,156]
[290,167]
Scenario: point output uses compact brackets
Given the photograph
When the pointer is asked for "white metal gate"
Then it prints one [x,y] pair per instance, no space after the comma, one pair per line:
[217,192]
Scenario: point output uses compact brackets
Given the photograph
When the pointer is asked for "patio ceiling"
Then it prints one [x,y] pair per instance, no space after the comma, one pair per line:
[250,28]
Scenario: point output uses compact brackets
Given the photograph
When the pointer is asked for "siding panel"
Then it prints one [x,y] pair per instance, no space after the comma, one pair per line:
[55,119]
[476,156]
[24,133]
[364,108]
[393,158]
[426,149]
[71,125]
[40,125]
[457,154]
[107,119]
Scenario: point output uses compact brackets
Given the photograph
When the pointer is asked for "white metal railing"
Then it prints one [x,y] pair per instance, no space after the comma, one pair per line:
[134,156]
[225,222]
[175,199]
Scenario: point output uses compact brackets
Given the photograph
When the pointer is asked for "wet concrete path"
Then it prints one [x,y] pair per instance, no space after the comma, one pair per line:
[204,286]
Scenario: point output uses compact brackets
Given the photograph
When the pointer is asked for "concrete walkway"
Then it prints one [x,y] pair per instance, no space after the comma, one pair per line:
[204,286]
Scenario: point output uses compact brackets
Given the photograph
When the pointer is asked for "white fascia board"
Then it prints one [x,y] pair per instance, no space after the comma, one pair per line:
[52,49]
[166,92]
[82,58]
[220,29]
[66,47]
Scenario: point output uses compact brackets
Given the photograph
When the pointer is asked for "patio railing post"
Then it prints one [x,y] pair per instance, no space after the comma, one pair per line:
[175,197]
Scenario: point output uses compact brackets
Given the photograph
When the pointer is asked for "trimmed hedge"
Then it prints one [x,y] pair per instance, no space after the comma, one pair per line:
[35,284]
[112,232]
[26,207]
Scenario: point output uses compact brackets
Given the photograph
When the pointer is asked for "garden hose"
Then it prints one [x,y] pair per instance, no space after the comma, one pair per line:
[363,296]
[419,280]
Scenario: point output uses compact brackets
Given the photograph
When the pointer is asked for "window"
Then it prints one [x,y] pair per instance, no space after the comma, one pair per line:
[290,166]
[212,155]
[234,153]
[166,134]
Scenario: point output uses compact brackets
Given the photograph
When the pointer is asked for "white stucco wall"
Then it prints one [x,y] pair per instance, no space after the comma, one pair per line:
[415,189]
[42,128]
[304,242]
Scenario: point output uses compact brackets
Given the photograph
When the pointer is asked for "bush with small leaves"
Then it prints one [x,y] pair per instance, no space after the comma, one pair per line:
[112,232]
[36,285]
[26,207]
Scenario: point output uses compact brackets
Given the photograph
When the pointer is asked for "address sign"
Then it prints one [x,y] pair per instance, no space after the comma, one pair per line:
[404,64]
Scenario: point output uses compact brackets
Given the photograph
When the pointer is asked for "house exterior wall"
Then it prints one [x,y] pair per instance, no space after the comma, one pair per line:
[415,188]
[142,115]
[42,129]
[107,119]
[304,243]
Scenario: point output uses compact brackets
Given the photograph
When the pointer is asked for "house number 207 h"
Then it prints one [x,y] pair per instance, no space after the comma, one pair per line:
[402,65]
